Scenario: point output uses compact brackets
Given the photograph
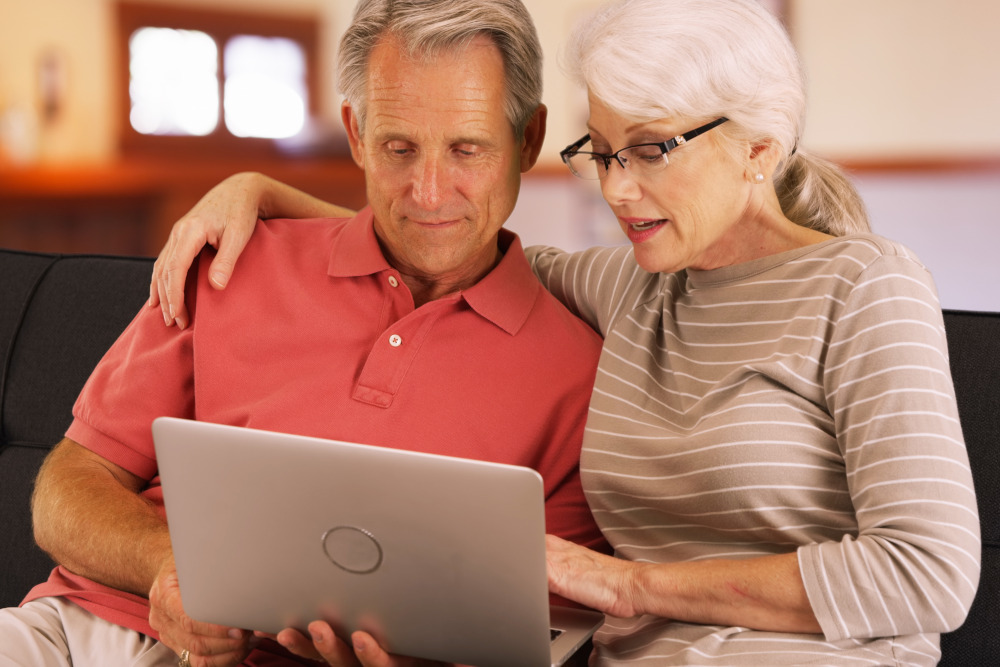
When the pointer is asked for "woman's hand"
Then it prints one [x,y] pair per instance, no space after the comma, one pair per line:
[224,218]
[323,644]
[604,583]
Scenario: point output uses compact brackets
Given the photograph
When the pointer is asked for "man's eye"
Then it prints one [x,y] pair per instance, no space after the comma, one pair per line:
[398,149]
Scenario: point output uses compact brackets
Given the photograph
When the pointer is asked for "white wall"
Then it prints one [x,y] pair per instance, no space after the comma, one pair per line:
[901,78]
[951,221]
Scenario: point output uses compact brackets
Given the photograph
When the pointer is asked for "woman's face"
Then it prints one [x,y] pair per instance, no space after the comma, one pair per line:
[687,215]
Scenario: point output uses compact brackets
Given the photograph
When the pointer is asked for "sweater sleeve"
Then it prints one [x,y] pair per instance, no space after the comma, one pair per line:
[913,565]
[598,285]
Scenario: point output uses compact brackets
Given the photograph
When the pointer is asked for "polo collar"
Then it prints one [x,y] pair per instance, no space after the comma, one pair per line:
[355,251]
[505,296]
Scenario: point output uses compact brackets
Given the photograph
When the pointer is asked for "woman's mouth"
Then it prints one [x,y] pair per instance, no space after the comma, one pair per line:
[645,226]
[639,230]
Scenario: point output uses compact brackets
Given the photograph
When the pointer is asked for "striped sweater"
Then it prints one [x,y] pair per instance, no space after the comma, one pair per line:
[801,401]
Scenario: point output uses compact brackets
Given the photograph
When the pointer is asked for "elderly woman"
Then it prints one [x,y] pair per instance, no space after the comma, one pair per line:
[773,446]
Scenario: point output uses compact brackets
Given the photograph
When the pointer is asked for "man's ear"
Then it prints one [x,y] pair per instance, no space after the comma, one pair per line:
[534,137]
[353,133]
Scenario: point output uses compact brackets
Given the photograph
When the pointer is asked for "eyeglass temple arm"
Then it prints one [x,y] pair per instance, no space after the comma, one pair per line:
[688,136]
[575,146]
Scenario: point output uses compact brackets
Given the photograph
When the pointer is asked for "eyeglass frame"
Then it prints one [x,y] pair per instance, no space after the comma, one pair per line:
[664,146]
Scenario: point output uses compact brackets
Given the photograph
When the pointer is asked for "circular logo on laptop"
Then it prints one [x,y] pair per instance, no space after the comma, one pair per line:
[352,549]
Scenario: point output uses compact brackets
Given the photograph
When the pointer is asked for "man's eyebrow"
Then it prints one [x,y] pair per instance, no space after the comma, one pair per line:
[479,140]
[383,137]
[483,140]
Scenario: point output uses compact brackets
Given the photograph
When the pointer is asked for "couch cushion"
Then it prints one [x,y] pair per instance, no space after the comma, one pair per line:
[975,366]
[58,315]
[76,313]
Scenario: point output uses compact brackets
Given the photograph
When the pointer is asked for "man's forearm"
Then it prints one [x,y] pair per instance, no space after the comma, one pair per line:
[89,517]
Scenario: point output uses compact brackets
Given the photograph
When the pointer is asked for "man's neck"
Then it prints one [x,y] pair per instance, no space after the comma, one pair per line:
[425,290]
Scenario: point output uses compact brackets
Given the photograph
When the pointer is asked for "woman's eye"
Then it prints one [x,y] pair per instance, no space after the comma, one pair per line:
[647,153]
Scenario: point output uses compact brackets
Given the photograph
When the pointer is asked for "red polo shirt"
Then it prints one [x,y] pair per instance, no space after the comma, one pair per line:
[318,335]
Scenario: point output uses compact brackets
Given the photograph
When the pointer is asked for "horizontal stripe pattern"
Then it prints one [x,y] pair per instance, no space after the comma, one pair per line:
[797,402]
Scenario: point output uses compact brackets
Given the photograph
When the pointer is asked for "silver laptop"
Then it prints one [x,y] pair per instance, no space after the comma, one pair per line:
[437,557]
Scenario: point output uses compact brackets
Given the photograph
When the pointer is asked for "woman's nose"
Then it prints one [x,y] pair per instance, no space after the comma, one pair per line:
[618,184]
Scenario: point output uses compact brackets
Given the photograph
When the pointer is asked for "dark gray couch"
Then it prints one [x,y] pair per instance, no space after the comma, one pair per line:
[58,314]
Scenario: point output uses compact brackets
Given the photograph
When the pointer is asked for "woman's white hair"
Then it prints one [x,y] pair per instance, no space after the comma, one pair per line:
[703,59]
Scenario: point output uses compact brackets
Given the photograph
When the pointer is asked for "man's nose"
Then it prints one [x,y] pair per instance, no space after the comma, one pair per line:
[429,181]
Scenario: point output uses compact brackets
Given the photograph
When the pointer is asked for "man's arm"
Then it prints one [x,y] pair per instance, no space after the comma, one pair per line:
[224,218]
[88,515]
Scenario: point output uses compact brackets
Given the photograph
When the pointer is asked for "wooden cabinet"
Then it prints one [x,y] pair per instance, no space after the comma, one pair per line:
[128,208]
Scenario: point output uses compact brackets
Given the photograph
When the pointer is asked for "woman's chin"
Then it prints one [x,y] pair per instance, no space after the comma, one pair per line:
[651,261]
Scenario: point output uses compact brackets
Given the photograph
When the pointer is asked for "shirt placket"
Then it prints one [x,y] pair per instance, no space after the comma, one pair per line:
[395,351]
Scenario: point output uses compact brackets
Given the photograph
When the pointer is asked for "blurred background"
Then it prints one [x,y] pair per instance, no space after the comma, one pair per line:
[116,116]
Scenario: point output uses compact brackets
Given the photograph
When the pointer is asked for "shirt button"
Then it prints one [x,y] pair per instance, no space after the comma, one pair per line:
[393,281]
[395,340]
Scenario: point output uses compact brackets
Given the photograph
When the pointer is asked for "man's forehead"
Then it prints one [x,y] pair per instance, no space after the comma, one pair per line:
[463,89]
[473,70]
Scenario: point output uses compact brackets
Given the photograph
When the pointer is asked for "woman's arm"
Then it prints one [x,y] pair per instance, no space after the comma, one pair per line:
[913,566]
[224,218]
[763,593]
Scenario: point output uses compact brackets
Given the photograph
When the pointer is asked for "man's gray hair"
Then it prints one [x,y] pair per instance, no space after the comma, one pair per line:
[428,27]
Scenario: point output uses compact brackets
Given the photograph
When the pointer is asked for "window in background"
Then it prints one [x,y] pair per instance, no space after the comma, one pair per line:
[228,82]
[173,83]
[265,88]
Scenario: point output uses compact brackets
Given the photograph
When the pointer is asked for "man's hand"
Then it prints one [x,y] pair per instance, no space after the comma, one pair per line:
[209,645]
[224,218]
[323,644]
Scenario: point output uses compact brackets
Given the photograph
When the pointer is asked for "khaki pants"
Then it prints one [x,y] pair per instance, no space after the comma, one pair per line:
[53,632]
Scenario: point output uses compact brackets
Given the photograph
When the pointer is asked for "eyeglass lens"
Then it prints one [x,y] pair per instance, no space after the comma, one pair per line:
[643,159]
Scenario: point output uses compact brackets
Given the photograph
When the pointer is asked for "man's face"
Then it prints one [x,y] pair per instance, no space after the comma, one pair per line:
[441,162]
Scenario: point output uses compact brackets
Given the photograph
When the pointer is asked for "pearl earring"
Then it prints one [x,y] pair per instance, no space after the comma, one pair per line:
[759,178]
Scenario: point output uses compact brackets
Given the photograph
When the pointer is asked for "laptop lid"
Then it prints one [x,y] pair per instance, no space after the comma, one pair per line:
[437,557]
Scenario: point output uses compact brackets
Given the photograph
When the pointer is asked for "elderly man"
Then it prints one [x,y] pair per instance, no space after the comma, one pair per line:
[415,323]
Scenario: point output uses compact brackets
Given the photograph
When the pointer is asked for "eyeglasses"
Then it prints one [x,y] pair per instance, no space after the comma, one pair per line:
[641,159]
